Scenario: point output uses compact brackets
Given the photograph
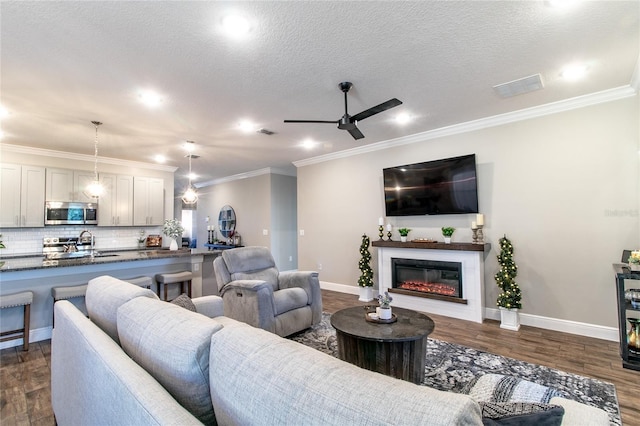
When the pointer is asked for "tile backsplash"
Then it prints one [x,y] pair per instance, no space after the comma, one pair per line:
[25,241]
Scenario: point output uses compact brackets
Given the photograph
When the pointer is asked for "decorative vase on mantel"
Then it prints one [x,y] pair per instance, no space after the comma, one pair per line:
[509,319]
[173,245]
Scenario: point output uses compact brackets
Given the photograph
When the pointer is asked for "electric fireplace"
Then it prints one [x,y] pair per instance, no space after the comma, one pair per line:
[427,277]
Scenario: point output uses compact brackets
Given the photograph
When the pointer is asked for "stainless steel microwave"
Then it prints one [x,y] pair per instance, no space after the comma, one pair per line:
[62,213]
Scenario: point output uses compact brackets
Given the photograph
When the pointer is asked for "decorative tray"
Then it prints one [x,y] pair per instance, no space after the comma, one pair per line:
[373,317]
[423,240]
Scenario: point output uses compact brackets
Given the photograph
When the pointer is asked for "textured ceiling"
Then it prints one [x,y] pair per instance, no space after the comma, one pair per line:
[64,64]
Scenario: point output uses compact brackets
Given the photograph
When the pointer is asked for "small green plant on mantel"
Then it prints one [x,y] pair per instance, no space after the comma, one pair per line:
[366,273]
[448,231]
[404,231]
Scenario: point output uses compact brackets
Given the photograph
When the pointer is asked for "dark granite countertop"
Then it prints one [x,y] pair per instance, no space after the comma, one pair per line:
[30,262]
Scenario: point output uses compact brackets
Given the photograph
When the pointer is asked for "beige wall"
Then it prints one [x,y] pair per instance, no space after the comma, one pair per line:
[250,200]
[263,202]
[564,188]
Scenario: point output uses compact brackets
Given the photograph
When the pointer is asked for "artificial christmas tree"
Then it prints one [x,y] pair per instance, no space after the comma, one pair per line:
[510,300]
[366,273]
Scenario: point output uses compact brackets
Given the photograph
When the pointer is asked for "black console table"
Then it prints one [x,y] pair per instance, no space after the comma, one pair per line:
[630,357]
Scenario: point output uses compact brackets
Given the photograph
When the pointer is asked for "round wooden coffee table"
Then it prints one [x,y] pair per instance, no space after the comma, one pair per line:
[398,349]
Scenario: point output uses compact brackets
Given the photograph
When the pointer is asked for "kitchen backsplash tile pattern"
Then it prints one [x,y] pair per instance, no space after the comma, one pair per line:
[27,241]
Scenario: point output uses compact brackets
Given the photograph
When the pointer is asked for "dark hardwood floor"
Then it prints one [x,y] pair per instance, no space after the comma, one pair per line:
[25,391]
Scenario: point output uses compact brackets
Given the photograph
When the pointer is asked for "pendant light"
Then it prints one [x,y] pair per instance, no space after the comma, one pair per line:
[95,188]
[190,195]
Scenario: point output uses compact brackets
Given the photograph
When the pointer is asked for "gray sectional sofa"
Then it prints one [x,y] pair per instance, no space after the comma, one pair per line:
[138,360]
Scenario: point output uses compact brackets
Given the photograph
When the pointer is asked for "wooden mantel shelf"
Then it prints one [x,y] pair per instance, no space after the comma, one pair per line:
[432,246]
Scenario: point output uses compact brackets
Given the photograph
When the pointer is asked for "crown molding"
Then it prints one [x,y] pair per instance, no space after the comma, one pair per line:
[83,157]
[246,175]
[482,123]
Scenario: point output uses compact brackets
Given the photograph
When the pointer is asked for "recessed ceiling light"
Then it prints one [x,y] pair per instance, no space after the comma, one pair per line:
[160,158]
[403,118]
[236,26]
[574,72]
[308,144]
[247,126]
[4,113]
[150,98]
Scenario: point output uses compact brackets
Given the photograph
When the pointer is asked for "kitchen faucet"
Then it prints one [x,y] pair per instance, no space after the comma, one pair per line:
[80,239]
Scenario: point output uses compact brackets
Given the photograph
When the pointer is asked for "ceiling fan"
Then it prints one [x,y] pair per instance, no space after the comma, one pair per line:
[348,122]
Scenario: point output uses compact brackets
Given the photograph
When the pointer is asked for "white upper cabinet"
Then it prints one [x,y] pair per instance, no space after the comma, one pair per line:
[148,201]
[68,185]
[115,206]
[22,190]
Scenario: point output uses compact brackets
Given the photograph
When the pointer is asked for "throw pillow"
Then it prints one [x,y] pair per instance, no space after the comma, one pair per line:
[184,301]
[521,414]
[501,388]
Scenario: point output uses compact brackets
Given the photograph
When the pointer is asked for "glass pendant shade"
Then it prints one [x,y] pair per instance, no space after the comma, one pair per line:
[190,195]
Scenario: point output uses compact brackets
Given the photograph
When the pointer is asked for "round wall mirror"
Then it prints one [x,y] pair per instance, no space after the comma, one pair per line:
[227,221]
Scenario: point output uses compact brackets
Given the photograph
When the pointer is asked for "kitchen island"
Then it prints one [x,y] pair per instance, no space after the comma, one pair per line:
[39,274]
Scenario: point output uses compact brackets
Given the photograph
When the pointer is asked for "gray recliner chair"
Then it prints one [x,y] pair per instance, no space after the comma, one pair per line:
[254,292]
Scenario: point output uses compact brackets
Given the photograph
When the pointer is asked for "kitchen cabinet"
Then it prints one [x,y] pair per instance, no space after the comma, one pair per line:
[148,201]
[22,190]
[116,203]
[68,185]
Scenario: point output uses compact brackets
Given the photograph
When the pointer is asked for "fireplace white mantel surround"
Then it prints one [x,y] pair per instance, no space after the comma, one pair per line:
[471,256]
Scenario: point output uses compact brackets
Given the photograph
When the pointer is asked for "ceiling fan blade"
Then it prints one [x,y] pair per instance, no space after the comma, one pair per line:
[376,109]
[356,133]
[310,121]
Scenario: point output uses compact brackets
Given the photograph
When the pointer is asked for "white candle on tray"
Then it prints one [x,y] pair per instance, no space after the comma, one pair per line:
[474,225]
[480,219]
[388,227]
[381,221]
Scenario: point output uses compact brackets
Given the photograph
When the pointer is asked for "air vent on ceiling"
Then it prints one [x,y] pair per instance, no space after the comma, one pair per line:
[266,131]
[520,86]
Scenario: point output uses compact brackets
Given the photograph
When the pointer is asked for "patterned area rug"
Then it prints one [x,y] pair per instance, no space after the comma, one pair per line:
[451,367]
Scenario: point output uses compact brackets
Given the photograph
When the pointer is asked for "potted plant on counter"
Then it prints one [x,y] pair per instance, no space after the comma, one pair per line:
[447,232]
[365,282]
[173,229]
[403,234]
[510,300]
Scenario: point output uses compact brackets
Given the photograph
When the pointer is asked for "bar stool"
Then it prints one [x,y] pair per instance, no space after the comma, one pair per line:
[69,292]
[183,278]
[145,282]
[18,299]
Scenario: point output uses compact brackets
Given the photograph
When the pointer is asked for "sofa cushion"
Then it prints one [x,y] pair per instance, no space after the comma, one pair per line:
[172,344]
[263,379]
[105,294]
[288,299]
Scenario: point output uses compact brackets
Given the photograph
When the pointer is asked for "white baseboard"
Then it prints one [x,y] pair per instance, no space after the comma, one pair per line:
[565,326]
[35,335]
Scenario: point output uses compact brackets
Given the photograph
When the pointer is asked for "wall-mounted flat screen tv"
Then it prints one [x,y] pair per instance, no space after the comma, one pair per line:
[447,186]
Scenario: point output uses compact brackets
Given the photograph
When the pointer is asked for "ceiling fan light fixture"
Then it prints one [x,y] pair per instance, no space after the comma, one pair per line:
[95,188]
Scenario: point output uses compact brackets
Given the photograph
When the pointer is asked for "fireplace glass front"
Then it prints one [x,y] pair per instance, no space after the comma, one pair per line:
[428,276]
